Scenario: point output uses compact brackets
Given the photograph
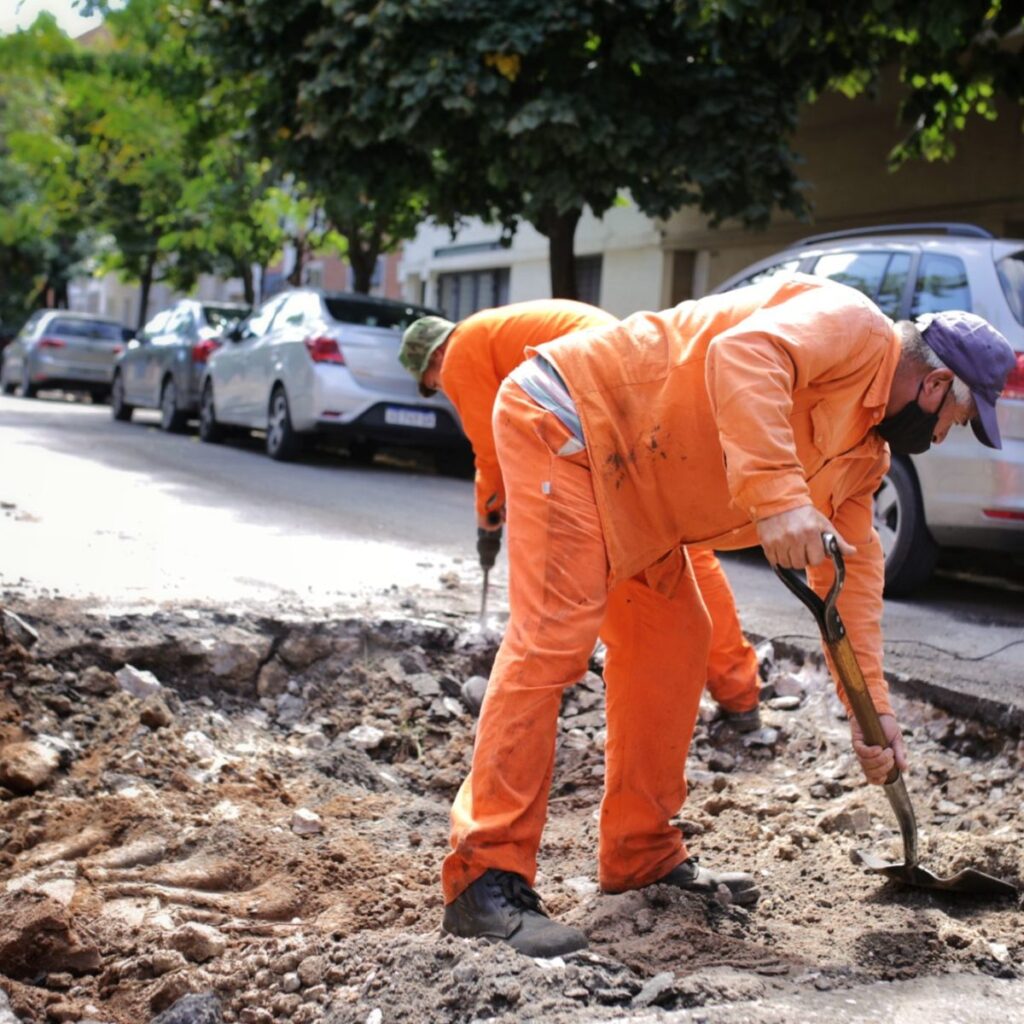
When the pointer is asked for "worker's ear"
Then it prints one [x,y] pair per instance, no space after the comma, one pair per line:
[936,383]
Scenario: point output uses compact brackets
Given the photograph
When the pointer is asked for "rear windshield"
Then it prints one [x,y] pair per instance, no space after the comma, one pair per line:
[96,330]
[373,314]
[223,317]
[1011,276]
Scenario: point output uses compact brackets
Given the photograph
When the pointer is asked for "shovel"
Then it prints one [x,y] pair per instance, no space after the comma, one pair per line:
[833,633]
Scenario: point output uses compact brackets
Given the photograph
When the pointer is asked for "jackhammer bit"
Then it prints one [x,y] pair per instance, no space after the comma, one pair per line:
[488,544]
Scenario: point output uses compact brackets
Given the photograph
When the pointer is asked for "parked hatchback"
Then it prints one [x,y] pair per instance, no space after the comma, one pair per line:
[60,349]
[960,493]
[310,362]
[162,367]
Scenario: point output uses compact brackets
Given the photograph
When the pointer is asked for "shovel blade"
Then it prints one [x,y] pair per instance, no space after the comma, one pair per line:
[969,881]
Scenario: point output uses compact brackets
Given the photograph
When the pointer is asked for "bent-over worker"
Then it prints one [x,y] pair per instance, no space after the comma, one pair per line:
[756,416]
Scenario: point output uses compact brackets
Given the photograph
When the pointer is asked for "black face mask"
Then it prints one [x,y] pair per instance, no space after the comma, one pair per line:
[909,431]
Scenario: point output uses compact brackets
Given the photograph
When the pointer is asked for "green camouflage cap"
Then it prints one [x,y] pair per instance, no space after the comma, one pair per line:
[419,342]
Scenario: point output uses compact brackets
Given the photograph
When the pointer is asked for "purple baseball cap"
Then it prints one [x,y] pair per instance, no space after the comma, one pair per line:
[979,355]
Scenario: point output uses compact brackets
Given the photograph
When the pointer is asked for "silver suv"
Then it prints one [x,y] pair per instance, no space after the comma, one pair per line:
[959,494]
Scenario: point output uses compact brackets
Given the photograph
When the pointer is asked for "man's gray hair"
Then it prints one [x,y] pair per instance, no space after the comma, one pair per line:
[914,350]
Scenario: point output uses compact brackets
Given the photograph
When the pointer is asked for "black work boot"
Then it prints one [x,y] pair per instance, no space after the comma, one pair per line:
[742,721]
[691,876]
[500,906]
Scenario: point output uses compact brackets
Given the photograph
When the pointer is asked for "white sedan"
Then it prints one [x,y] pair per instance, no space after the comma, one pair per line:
[309,362]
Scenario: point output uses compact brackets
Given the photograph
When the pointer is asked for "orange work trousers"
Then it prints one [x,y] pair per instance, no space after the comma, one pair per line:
[733,681]
[657,647]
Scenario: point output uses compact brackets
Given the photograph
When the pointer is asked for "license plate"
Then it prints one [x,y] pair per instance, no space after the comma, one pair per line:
[410,418]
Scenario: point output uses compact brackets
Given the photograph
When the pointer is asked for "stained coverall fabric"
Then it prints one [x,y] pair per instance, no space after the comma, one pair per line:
[558,600]
[481,352]
[699,421]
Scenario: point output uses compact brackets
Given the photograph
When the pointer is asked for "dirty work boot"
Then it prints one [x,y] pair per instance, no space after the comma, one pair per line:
[691,876]
[500,906]
[742,721]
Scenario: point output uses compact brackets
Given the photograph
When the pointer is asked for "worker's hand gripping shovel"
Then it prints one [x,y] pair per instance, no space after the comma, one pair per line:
[839,647]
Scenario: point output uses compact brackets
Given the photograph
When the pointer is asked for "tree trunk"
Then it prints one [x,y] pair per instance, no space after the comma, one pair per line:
[245,272]
[560,229]
[363,259]
[295,277]
[145,283]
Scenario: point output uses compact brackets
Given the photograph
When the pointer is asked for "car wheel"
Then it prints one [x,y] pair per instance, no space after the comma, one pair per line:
[8,386]
[209,429]
[172,419]
[910,552]
[283,443]
[28,389]
[119,408]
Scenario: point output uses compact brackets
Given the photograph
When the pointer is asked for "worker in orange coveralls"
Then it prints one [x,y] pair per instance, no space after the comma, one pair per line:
[757,416]
[468,361]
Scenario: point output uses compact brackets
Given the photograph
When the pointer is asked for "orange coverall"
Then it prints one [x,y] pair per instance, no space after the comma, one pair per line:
[698,421]
[481,352]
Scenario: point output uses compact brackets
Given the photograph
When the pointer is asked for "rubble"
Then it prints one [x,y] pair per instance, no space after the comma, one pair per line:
[259,838]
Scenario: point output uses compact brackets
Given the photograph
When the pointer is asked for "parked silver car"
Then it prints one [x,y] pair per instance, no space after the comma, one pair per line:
[63,350]
[959,494]
[311,362]
[161,368]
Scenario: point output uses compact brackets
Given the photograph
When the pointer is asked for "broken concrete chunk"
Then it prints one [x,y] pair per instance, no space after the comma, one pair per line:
[766,737]
[850,819]
[16,630]
[306,822]
[95,680]
[785,703]
[195,1008]
[366,737]
[424,684]
[788,685]
[155,714]
[473,690]
[24,767]
[273,680]
[138,682]
[197,942]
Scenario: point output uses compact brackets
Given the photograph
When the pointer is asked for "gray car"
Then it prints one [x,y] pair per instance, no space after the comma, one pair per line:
[58,349]
[959,494]
[161,368]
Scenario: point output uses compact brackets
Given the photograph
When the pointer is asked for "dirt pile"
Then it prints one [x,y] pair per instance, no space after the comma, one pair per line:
[254,811]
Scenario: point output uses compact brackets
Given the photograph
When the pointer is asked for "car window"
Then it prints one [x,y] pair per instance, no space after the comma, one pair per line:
[31,323]
[223,317]
[298,309]
[93,330]
[373,314]
[786,267]
[259,323]
[894,283]
[155,326]
[1011,276]
[941,284]
[861,270]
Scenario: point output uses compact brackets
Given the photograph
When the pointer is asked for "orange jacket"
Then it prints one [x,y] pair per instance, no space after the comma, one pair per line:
[482,351]
[702,419]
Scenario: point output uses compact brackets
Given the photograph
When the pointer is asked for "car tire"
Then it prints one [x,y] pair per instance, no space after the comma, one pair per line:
[120,410]
[283,443]
[210,430]
[28,389]
[910,551]
[172,419]
[8,387]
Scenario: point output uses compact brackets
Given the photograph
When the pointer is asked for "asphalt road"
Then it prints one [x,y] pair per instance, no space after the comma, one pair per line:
[126,515]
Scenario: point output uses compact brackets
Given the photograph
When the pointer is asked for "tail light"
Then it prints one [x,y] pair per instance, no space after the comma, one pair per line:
[202,350]
[118,349]
[324,350]
[51,343]
[1014,387]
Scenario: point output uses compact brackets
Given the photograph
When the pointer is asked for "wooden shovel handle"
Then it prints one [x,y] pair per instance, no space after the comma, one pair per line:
[850,675]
